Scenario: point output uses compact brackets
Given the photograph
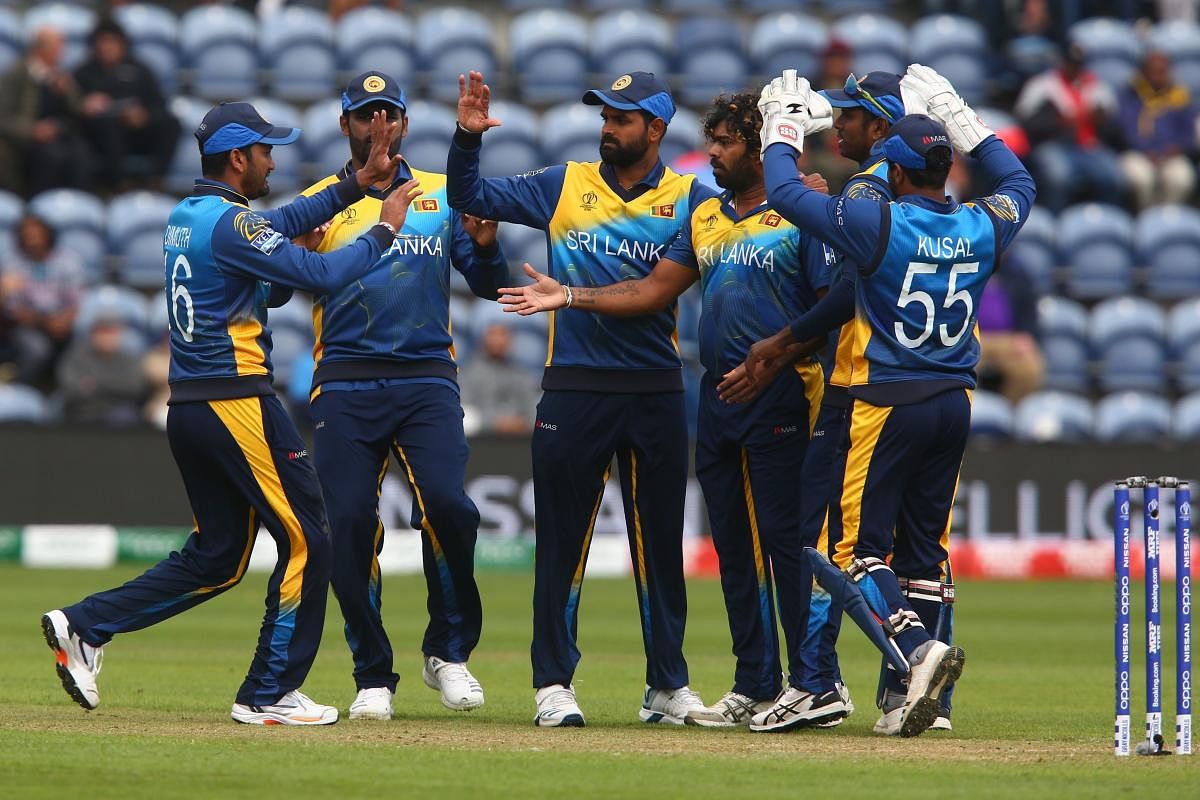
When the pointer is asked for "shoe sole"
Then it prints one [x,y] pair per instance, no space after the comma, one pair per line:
[926,709]
[432,683]
[369,715]
[60,657]
[708,723]
[262,718]
[658,718]
[569,721]
[824,721]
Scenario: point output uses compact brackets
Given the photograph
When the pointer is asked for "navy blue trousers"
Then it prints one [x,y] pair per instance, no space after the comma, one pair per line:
[242,463]
[421,424]
[576,436]
[748,461]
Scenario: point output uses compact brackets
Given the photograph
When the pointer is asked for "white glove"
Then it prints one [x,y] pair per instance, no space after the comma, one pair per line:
[922,85]
[791,110]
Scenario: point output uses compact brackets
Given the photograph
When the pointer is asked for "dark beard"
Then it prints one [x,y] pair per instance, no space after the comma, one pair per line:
[737,179]
[615,155]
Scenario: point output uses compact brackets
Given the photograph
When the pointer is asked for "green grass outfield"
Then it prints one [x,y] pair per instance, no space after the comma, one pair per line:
[1032,712]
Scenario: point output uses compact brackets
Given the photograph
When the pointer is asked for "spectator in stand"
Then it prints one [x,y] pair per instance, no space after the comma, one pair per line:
[100,379]
[497,392]
[1010,361]
[1158,125]
[40,147]
[41,284]
[821,153]
[129,128]
[1068,113]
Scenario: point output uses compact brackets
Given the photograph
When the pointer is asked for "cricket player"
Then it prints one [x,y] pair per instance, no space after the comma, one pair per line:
[241,459]
[386,383]
[922,261]
[612,387]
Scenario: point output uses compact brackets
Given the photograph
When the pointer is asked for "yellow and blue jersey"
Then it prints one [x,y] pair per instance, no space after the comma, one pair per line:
[757,272]
[597,233]
[922,267]
[394,322]
[225,264]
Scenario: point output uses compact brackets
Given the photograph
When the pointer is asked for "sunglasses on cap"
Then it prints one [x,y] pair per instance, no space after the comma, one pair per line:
[854,90]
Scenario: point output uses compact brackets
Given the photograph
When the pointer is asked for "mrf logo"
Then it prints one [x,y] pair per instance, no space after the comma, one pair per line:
[589,200]
[666,211]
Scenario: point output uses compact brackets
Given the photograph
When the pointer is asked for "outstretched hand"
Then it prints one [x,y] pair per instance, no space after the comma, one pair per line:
[544,294]
[474,97]
[380,167]
[482,231]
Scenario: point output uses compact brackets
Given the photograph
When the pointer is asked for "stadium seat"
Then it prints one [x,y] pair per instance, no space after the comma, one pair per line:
[120,301]
[220,53]
[12,38]
[991,415]
[1185,418]
[615,5]
[628,40]
[571,132]
[683,136]
[157,326]
[79,220]
[1180,39]
[512,148]
[549,55]
[20,403]
[430,129]
[451,41]
[1187,375]
[73,21]
[1183,325]
[1111,48]
[1060,316]
[711,58]
[1051,416]
[1096,241]
[1027,56]
[185,164]
[370,38]
[1125,318]
[525,5]
[1066,360]
[879,42]
[1132,417]
[1035,247]
[679,7]
[764,6]
[135,235]
[1168,243]
[296,48]
[1128,337]
[288,176]
[523,244]
[322,144]
[787,40]
[153,33]
[955,46]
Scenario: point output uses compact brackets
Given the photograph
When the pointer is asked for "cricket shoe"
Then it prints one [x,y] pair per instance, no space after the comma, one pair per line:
[730,711]
[939,665]
[843,693]
[294,708]
[373,703]
[556,707]
[669,706]
[796,708]
[889,723]
[460,691]
[78,662]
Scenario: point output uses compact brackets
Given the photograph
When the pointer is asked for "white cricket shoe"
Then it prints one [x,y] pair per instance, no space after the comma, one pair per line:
[889,723]
[843,693]
[669,706]
[460,691]
[556,707]
[294,708]
[942,723]
[78,662]
[730,711]
[939,665]
[796,708]
[372,703]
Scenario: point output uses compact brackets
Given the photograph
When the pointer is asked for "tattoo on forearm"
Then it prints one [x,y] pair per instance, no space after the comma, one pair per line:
[591,296]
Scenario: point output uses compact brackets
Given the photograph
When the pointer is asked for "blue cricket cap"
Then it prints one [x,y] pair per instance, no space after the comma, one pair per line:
[635,90]
[373,87]
[912,139]
[877,92]
[232,126]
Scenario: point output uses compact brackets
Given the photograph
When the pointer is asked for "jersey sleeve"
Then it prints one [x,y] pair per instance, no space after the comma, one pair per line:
[1009,203]
[818,260]
[486,269]
[681,250]
[528,199]
[308,211]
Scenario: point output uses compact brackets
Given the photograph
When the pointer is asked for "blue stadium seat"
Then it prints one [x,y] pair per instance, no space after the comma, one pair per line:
[370,38]
[525,5]
[1187,375]
[615,5]
[1035,247]
[1132,417]
[451,41]
[157,326]
[513,147]
[787,40]
[12,208]
[1168,242]
[879,42]
[296,48]
[523,244]
[955,46]
[763,6]
[73,21]
[288,176]
[1128,337]
[185,164]
[1066,360]
[679,7]
[79,219]
[683,136]
[1111,47]
[991,415]
[1185,418]
[322,144]
[1096,241]
[122,302]
[1183,325]
[153,33]
[20,403]
[135,235]
[628,40]
[1060,316]
[549,55]
[571,132]
[712,58]
[1029,55]
[12,38]
[220,52]
[1180,39]
[430,129]
[1053,417]
[1126,318]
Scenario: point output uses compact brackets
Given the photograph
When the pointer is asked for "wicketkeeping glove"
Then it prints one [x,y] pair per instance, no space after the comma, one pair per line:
[922,85]
[791,110]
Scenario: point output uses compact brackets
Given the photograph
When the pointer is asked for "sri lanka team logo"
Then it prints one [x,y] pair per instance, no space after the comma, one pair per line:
[666,211]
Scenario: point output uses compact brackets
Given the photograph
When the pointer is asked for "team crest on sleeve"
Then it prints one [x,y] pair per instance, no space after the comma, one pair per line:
[257,231]
[666,211]
[770,219]
[863,190]
[428,204]
[1002,206]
